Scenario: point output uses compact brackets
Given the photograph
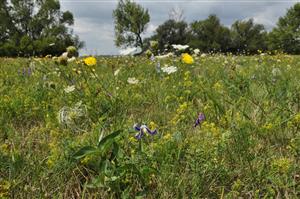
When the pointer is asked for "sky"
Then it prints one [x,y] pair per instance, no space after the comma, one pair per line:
[94,23]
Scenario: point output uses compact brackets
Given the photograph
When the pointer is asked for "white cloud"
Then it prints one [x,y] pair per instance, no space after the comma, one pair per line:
[150,30]
[94,22]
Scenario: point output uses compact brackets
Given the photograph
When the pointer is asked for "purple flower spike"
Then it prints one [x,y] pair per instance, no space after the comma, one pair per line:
[200,119]
[29,72]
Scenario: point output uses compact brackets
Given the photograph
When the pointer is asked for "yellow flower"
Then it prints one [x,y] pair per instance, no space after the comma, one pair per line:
[90,61]
[187,59]
[167,136]
[297,118]
[152,125]
[268,126]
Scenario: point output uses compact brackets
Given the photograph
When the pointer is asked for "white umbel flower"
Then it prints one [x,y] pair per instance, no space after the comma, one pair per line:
[165,56]
[117,72]
[169,70]
[132,80]
[180,47]
[69,89]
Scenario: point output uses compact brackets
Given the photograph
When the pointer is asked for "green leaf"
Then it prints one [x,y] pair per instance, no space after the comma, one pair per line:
[97,182]
[109,137]
[84,151]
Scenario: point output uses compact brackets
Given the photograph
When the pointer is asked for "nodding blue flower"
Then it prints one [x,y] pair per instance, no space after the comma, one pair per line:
[199,120]
[143,129]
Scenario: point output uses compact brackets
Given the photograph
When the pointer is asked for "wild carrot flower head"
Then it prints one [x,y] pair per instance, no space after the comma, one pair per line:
[90,61]
[132,80]
[169,70]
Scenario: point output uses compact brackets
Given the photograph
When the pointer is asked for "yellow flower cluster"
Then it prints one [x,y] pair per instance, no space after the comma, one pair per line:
[4,188]
[187,59]
[211,128]
[152,126]
[218,86]
[187,80]
[282,165]
[268,126]
[297,118]
[90,61]
[180,113]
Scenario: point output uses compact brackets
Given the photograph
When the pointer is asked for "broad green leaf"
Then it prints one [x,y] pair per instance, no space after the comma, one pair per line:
[84,152]
[109,137]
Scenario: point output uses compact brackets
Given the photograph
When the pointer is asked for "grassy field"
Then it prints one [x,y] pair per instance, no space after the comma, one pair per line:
[67,131]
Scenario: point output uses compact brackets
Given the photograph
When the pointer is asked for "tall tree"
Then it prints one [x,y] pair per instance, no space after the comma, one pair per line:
[36,27]
[171,32]
[5,21]
[247,36]
[131,20]
[286,36]
[210,35]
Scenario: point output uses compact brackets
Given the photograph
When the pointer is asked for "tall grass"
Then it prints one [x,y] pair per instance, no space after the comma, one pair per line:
[80,144]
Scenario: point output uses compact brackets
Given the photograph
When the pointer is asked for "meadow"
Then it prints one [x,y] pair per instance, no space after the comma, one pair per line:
[129,127]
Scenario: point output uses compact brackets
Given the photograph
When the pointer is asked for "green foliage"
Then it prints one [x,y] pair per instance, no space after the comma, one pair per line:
[130,23]
[286,36]
[248,37]
[170,32]
[210,35]
[35,27]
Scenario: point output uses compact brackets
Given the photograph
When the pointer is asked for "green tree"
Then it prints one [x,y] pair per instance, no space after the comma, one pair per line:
[131,20]
[286,36]
[171,32]
[36,27]
[4,22]
[247,36]
[209,35]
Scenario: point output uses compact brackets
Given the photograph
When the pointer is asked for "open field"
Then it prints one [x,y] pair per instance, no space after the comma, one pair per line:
[67,131]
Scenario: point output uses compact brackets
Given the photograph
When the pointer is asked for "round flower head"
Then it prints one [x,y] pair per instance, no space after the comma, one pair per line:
[187,59]
[90,61]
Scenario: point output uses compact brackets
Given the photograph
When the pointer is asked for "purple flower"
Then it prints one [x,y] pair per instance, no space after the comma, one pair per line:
[152,58]
[199,120]
[158,68]
[29,71]
[143,129]
[25,72]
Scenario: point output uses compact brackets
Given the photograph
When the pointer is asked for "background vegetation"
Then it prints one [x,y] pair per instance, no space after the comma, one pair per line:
[35,28]
[209,35]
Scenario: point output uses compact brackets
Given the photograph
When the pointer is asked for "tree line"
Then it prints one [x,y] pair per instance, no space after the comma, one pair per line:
[209,35]
[35,28]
